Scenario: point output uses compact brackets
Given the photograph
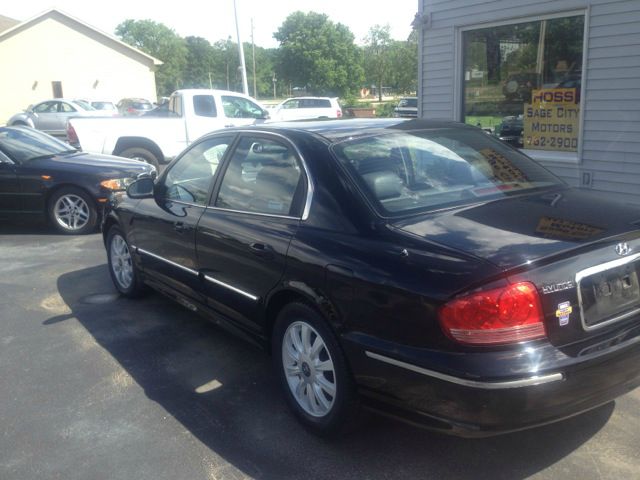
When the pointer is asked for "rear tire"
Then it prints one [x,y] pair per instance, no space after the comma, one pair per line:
[313,371]
[122,268]
[141,154]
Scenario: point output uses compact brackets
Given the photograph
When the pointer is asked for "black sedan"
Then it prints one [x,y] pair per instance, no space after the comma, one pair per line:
[422,269]
[43,177]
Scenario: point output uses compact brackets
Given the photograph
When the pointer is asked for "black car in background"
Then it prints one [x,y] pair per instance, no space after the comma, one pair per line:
[422,269]
[44,177]
[407,108]
[510,130]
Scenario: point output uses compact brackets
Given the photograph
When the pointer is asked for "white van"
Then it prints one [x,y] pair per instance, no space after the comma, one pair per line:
[301,108]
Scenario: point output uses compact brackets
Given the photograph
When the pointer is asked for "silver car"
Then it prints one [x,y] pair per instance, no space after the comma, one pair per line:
[51,116]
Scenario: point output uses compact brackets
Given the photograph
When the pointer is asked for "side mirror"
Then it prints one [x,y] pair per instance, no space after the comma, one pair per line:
[141,188]
[265,115]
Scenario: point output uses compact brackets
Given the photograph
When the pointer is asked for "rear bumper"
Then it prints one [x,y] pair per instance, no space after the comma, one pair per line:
[477,405]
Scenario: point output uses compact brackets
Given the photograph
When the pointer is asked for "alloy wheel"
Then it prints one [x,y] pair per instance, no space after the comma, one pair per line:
[121,263]
[71,212]
[309,369]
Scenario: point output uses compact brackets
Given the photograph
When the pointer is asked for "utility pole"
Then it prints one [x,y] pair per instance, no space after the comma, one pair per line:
[210,83]
[245,87]
[253,48]
[274,80]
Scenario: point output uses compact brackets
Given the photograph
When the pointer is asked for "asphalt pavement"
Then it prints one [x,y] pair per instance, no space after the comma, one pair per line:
[95,386]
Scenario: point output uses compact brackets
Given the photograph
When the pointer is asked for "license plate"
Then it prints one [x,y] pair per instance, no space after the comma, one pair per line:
[609,295]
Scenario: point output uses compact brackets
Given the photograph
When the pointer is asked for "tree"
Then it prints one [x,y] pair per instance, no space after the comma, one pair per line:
[201,63]
[377,58]
[403,71]
[318,54]
[161,42]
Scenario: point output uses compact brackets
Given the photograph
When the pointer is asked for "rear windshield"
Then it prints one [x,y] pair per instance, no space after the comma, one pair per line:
[142,105]
[408,102]
[103,105]
[407,172]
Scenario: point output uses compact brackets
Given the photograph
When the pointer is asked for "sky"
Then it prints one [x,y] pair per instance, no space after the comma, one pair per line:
[214,19]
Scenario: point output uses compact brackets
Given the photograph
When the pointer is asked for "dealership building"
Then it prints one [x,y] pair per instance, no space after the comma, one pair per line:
[559,79]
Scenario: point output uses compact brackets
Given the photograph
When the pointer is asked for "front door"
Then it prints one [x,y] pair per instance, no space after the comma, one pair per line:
[242,239]
[9,187]
[164,227]
[240,111]
[45,116]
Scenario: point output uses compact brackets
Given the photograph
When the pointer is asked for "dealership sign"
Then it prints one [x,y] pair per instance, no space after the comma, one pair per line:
[552,120]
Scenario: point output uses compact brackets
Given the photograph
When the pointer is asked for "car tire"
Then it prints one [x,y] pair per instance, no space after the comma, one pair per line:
[72,211]
[315,377]
[122,268]
[142,154]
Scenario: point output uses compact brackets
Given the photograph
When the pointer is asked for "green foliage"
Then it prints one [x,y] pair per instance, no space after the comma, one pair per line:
[161,42]
[201,63]
[403,75]
[377,58]
[391,63]
[315,53]
[385,109]
[318,54]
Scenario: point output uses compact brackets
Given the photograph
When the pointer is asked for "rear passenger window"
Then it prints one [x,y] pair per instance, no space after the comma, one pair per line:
[204,106]
[263,176]
[320,103]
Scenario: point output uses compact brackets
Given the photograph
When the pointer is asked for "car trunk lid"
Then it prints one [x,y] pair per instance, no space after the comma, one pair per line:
[581,251]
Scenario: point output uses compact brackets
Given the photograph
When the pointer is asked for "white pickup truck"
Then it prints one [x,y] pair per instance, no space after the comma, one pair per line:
[159,137]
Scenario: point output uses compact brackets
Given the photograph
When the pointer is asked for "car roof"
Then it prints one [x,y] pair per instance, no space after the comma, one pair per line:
[309,98]
[69,100]
[335,131]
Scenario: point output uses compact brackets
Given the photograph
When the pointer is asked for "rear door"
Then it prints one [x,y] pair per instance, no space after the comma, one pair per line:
[65,112]
[164,227]
[243,236]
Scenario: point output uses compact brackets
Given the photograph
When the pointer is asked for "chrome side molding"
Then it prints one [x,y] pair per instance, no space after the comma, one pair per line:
[519,383]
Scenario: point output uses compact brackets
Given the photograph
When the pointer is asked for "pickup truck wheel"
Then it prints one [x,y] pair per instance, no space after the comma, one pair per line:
[141,154]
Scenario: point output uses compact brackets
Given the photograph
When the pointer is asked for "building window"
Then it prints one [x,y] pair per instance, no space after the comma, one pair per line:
[522,82]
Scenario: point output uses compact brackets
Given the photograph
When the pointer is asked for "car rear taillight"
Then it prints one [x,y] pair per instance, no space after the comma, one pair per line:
[72,136]
[502,315]
[131,110]
[339,113]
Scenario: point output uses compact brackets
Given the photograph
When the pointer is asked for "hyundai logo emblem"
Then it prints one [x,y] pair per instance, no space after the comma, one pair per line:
[622,248]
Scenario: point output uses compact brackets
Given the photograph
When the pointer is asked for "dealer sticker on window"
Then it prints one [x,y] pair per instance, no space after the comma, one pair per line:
[563,313]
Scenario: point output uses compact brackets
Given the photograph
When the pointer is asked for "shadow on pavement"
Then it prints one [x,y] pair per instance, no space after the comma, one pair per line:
[240,415]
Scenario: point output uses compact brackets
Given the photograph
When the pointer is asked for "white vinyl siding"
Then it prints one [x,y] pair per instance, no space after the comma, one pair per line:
[610,135]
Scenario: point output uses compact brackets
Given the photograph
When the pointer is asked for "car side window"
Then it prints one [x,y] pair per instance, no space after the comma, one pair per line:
[190,178]
[65,108]
[175,105]
[204,106]
[290,104]
[46,107]
[263,176]
[239,107]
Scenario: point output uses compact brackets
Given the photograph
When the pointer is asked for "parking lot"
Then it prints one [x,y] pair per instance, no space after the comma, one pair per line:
[94,386]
